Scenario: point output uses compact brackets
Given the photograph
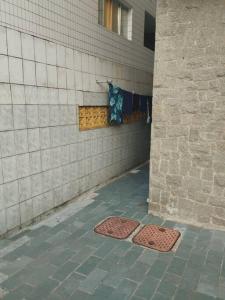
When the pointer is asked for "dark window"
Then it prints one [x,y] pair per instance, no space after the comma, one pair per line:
[149,34]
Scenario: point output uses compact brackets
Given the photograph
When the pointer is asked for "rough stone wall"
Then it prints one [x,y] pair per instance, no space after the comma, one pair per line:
[188,139]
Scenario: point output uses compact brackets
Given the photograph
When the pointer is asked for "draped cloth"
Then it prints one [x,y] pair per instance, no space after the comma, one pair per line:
[115,105]
[136,102]
[127,103]
[143,103]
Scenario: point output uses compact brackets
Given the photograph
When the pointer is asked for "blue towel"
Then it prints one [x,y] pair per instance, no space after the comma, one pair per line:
[115,105]
[143,103]
[136,102]
[127,103]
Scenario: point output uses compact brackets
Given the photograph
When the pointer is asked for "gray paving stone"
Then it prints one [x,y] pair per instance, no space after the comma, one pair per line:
[42,291]
[102,292]
[168,285]
[127,287]
[159,296]
[61,258]
[183,294]
[177,266]
[82,254]
[107,247]
[80,295]
[208,284]
[148,257]
[65,270]
[200,296]
[158,268]
[137,272]
[147,289]
[10,268]
[89,265]
[117,295]
[190,278]
[131,256]
[109,262]
[93,280]
[69,285]
[19,293]
[3,277]
[59,237]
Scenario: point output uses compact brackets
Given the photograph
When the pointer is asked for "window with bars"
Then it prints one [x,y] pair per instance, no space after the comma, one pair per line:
[116,17]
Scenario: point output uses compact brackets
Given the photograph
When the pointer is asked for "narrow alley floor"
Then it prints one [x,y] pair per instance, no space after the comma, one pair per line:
[66,260]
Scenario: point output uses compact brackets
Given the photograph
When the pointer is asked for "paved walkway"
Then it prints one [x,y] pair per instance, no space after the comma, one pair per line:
[62,258]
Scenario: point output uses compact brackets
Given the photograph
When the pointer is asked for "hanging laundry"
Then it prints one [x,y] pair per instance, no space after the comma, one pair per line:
[115,105]
[127,103]
[143,103]
[149,110]
[136,102]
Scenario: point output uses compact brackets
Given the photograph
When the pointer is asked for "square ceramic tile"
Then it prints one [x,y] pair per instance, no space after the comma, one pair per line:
[4,70]
[27,46]
[3,42]
[14,43]
[18,94]
[16,70]
[51,53]
[5,94]
[29,72]
[41,74]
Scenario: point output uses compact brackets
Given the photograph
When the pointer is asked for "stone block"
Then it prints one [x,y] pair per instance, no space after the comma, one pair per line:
[219,180]
[174,180]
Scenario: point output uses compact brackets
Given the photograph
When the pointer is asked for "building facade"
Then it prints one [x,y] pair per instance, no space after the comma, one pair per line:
[188,139]
[51,54]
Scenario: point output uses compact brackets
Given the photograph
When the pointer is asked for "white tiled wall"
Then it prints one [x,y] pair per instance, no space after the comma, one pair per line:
[44,159]
[74,23]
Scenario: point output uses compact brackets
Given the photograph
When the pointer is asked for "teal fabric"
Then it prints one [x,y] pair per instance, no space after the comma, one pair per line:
[115,105]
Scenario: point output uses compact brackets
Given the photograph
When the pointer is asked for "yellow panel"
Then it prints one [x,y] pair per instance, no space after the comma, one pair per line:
[92,117]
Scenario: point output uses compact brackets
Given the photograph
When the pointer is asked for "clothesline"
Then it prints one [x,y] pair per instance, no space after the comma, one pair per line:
[110,82]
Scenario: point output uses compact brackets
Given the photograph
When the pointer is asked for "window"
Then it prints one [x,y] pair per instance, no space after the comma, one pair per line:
[115,16]
[149,33]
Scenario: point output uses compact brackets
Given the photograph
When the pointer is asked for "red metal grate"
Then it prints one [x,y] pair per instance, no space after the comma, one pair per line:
[117,227]
[157,238]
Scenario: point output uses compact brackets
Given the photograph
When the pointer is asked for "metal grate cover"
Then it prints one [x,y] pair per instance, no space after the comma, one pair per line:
[157,238]
[117,227]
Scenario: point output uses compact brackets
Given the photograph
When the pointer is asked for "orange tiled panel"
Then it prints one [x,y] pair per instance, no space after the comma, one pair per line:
[92,117]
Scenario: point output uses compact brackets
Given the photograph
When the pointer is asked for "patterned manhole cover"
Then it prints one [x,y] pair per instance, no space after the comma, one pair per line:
[157,238]
[117,227]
